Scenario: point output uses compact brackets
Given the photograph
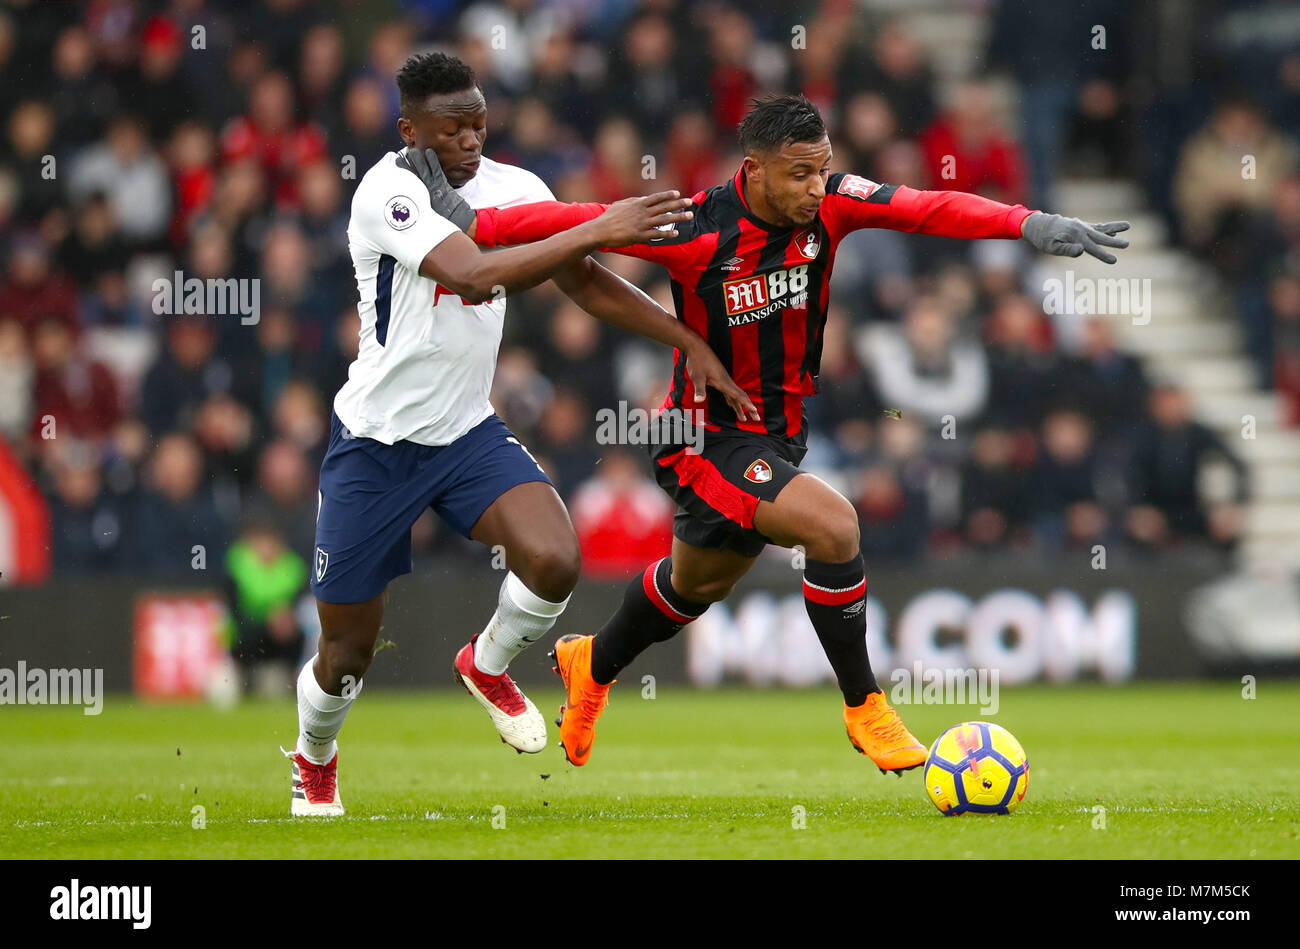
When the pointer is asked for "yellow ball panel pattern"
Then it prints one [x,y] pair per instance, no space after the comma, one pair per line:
[976,768]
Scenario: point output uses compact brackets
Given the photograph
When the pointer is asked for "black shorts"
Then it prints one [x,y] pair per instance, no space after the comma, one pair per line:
[718,489]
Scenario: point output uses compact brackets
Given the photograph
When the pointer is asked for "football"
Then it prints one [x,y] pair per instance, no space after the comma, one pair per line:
[976,768]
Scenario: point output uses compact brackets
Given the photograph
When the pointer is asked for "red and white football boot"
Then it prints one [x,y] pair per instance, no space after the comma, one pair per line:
[516,718]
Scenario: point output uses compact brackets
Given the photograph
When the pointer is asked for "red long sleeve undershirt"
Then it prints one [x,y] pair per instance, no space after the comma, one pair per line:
[942,213]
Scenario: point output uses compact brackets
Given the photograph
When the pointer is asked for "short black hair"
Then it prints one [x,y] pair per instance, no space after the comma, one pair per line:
[776,121]
[431,74]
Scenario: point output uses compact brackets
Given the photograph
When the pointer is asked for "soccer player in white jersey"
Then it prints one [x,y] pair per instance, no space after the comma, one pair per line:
[413,429]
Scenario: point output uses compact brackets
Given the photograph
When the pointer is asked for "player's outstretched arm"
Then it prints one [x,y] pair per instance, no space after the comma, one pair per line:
[461,267]
[855,202]
[611,299]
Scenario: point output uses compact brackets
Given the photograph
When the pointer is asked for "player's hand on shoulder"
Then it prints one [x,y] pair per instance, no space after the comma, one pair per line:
[1069,237]
[639,220]
[442,196]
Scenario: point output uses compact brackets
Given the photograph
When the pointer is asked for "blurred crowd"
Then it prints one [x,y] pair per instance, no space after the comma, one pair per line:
[224,140]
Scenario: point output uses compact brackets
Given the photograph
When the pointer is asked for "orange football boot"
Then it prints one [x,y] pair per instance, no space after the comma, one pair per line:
[876,731]
[584,697]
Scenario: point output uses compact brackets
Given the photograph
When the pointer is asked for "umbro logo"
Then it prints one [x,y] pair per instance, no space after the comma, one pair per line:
[733,264]
[854,608]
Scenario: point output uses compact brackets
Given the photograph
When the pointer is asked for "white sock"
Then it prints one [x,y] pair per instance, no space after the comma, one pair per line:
[522,618]
[320,716]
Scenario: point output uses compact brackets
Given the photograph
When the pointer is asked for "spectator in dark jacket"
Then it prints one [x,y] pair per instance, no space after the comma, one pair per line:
[86,523]
[1065,483]
[1165,500]
[1107,385]
[1023,367]
[184,376]
[176,514]
[995,482]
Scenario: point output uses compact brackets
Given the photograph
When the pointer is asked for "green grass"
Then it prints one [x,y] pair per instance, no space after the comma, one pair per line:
[1182,770]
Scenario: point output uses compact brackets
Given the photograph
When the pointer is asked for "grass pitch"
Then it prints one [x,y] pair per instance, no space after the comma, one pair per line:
[1182,770]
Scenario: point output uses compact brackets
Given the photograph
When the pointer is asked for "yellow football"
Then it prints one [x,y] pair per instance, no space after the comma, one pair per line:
[976,768]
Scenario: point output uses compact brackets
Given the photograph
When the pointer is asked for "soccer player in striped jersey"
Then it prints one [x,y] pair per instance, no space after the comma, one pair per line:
[413,429]
[750,272]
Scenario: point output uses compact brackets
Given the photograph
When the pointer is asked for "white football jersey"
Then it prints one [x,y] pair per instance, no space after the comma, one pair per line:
[426,359]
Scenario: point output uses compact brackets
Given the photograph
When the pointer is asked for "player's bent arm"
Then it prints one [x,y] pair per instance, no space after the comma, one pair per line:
[462,268]
[611,299]
[458,264]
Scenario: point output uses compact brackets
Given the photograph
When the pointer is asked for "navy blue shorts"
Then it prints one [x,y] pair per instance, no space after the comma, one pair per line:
[371,494]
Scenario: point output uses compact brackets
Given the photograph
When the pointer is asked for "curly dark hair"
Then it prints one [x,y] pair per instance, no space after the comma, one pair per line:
[431,74]
[778,120]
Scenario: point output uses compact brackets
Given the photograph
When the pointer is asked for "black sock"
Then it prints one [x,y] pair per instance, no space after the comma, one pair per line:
[835,595]
[652,612]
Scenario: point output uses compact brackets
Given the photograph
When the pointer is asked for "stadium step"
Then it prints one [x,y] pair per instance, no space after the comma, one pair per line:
[1274,519]
[1147,233]
[1270,554]
[1176,303]
[1211,373]
[955,39]
[1230,410]
[1275,482]
[1103,199]
[1205,339]
[1270,447]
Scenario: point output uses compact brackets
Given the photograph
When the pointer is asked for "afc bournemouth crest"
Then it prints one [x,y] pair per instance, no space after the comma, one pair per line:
[759,472]
[809,245]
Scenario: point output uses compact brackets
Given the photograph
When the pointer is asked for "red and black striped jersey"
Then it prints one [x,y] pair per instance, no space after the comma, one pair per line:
[757,292]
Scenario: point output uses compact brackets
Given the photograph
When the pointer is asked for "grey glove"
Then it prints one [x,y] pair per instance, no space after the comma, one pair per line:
[442,195]
[1070,237]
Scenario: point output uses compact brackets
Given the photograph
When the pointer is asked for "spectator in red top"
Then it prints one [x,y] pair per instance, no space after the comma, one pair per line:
[190,156]
[78,392]
[732,82]
[967,149]
[32,291]
[621,518]
[693,160]
[617,169]
[818,62]
[1284,300]
[270,136]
